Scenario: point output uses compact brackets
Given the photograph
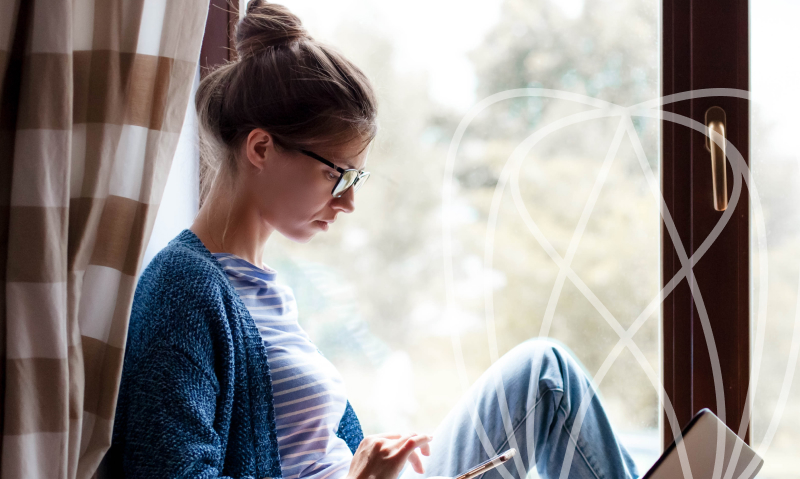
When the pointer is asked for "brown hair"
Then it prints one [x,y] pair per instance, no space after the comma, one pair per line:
[304,93]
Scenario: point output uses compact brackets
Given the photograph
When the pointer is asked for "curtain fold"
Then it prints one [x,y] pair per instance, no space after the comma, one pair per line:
[93,96]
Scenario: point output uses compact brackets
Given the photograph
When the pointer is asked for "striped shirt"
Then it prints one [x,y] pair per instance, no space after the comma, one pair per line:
[309,392]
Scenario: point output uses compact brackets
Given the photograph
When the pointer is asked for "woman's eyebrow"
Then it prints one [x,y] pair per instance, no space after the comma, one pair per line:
[336,161]
[346,166]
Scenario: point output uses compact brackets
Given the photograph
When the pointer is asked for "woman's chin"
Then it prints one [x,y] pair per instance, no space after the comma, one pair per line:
[302,236]
[305,232]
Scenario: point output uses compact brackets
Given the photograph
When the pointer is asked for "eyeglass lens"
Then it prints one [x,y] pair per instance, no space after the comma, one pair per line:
[349,178]
[345,182]
[361,180]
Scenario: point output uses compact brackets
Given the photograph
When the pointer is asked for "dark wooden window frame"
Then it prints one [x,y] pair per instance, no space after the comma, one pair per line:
[705,45]
[218,46]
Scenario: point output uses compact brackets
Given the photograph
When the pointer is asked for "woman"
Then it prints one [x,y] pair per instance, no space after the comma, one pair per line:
[220,380]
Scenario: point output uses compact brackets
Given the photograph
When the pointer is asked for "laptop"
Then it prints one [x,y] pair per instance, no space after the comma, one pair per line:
[698,445]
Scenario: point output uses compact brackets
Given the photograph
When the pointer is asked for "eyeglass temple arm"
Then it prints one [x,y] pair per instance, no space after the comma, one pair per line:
[323,160]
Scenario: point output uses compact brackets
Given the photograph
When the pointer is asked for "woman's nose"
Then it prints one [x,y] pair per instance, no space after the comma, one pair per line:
[345,203]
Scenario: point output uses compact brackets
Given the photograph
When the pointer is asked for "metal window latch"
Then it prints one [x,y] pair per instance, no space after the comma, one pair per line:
[716,125]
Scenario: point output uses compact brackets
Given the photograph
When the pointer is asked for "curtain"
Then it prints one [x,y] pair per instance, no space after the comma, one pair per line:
[93,96]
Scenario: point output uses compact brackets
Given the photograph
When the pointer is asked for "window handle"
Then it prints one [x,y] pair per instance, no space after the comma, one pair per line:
[716,125]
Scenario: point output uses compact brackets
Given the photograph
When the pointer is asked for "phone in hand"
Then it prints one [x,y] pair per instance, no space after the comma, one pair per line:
[488,464]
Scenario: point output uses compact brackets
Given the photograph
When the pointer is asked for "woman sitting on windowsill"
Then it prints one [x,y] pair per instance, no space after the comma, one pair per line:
[220,380]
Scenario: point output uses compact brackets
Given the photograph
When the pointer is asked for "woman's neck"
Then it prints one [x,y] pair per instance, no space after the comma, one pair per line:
[227,224]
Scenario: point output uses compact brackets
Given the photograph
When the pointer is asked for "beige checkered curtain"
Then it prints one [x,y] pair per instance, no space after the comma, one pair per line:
[93,95]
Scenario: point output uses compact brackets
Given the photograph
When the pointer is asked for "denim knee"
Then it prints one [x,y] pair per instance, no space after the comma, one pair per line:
[535,363]
[556,366]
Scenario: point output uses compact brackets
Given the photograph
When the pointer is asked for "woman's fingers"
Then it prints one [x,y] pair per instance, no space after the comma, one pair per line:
[425,449]
[414,442]
[401,441]
[400,436]
[386,454]
[416,462]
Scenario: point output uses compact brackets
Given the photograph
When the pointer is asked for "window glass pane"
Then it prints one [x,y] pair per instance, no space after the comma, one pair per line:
[372,290]
[775,165]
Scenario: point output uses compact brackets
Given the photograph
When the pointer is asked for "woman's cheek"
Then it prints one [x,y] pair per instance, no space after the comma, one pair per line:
[307,203]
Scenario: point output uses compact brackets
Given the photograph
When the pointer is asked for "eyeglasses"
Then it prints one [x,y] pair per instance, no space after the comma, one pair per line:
[347,178]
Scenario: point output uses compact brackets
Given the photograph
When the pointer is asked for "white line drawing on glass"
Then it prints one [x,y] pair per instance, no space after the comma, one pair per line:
[625,127]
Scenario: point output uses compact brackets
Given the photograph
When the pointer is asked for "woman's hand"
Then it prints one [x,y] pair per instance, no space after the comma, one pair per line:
[382,456]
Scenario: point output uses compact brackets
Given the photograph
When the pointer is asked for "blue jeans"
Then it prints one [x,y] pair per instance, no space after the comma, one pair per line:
[530,399]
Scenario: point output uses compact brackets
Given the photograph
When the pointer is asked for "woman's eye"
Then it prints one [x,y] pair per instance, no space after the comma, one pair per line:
[331,175]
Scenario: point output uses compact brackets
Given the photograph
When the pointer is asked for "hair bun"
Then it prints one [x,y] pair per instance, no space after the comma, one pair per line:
[267,25]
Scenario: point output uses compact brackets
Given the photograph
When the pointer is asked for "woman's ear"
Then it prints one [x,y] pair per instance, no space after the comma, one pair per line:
[258,147]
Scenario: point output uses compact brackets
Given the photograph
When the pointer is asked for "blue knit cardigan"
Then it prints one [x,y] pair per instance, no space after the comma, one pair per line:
[195,398]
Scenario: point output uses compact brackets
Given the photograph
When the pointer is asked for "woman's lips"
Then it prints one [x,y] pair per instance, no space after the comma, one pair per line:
[322,224]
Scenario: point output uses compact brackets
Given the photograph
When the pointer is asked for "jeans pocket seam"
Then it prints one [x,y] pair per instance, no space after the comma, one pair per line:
[528,413]
[578,448]
[522,420]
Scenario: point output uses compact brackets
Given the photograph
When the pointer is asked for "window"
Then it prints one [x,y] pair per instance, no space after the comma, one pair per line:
[379,276]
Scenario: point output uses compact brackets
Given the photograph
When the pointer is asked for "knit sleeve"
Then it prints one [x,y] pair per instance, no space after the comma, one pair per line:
[171,429]
[350,428]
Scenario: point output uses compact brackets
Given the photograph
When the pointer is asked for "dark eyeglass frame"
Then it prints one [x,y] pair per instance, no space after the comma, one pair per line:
[360,178]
